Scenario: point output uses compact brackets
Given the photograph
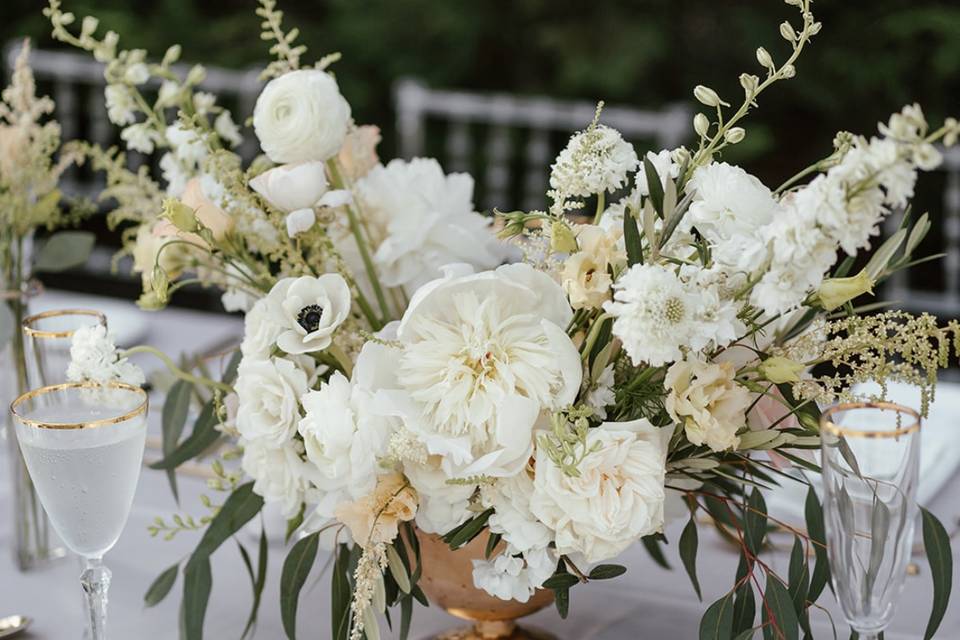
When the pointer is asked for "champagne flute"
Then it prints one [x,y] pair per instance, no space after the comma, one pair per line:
[47,337]
[83,445]
[871,458]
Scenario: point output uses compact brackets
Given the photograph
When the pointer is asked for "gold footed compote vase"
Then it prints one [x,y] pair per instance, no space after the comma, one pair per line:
[447,580]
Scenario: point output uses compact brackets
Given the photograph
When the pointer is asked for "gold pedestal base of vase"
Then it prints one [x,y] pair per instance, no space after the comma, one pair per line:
[495,630]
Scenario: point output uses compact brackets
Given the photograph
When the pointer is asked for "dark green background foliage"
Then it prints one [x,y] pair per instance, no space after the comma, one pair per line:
[870,58]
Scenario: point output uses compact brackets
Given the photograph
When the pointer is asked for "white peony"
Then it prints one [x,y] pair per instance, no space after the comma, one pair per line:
[301,116]
[706,399]
[292,186]
[618,496]
[596,160]
[308,310]
[482,356]
[512,575]
[422,219]
[730,208]
[269,392]
[277,474]
[654,314]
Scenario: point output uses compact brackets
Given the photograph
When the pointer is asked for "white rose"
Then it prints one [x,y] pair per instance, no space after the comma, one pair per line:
[618,496]
[301,116]
[269,392]
[706,399]
[293,186]
[277,474]
[309,310]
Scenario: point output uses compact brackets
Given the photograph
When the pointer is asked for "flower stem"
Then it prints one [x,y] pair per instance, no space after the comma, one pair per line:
[177,371]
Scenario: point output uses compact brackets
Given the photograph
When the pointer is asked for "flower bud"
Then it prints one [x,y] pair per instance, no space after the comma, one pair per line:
[707,96]
[814,28]
[562,239]
[749,82]
[67,18]
[172,55]
[779,370]
[88,26]
[183,217]
[734,135]
[835,292]
[952,127]
[701,124]
[786,30]
[196,75]
[763,57]
[789,71]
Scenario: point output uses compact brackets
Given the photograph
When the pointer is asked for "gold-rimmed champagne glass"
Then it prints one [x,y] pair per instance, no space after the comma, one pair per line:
[47,337]
[871,460]
[83,445]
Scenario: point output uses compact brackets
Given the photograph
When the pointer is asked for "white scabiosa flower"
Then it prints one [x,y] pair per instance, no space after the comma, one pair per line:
[615,500]
[301,116]
[512,575]
[482,356]
[596,160]
[653,314]
[94,357]
[269,391]
[308,310]
[422,219]
[706,399]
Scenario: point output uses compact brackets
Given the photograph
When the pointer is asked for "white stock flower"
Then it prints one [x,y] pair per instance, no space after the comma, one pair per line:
[94,357]
[227,129]
[308,310]
[140,137]
[301,116]
[600,394]
[277,472]
[596,160]
[512,575]
[512,518]
[618,496]
[422,219]
[482,356]
[654,314]
[188,147]
[120,104]
[706,399]
[291,187]
[730,209]
[667,169]
[269,392]
[174,173]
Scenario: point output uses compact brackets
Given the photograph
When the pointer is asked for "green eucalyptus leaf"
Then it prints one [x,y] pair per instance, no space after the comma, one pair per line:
[744,608]
[398,570]
[799,582]
[259,582]
[936,543]
[779,616]
[654,185]
[197,583]
[203,436]
[606,571]
[340,594]
[689,541]
[468,530]
[65,250]
[296,568]
[160,587]
[406,615]
[652,545]
[242,505]
[174,418]
[882,256]
[631,238]
[755,522]
[717,621]
[560,581]
[561,598]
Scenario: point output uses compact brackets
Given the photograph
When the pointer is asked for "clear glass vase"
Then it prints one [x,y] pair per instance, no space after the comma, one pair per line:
[34,541]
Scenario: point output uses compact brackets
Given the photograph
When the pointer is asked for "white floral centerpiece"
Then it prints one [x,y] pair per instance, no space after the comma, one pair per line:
[400,376]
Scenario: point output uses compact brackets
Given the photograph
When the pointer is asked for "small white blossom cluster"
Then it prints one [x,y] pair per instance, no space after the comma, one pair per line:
[597,160]
[94,358]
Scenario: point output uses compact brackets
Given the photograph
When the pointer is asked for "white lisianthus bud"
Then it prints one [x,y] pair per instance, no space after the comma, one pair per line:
[196,75]
[734,135]
[814,29]
[835,292]
[172,55]
[789,71]
[701,124]
[707,96]
[749,82]
[779,370]
[786,30]
[764,58]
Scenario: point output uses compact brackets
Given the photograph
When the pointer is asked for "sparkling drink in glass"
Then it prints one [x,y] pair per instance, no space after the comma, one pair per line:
[83,446]
[871,458]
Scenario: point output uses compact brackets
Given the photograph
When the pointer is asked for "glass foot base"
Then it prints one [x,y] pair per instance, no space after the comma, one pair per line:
[494,630]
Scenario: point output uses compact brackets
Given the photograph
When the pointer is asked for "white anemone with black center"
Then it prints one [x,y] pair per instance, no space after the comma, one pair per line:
[482,357]
[308,310]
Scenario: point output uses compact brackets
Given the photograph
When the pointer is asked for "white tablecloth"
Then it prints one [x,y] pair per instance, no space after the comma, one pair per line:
[648,603]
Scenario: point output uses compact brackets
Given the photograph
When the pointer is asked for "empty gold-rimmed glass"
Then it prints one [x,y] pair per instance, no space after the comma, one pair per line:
[83,446]
[47,337]
[871,461]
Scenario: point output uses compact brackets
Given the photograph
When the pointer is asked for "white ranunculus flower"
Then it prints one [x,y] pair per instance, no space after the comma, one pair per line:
[291,187]
[301,116]
[482,356]
[422,219]
[308,310]
[618,496]
[277,474]
[269,392]
[706,399]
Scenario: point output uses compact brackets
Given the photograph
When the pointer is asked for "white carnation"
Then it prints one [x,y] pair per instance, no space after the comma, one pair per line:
[301,116]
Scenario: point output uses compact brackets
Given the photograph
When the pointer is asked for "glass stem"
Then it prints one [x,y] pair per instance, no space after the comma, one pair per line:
[96,581]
